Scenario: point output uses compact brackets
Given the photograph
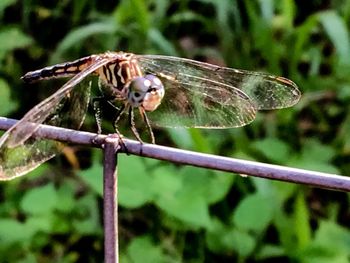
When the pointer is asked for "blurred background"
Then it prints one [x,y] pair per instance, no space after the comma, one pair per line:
[171,213]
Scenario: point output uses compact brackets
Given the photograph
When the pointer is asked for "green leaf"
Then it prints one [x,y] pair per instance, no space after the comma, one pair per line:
[334,237]
[12,38]
[201,144]
[315,156]
[140,10]
[181,137]
[256,204]
[59,223]
[215,237]
[283,191]
[142,249]
[286,233]
[301,225]
[40,200]
[13,231]
[302,38]
[66,196]
[88,222]
[187,192]
[243,242]
[338,32]
[133,12]
[80,34]
[218,184]
[345,129]
[267,9]
[29,258]
[316,254]
[195,190]
[163,45]
[38,224]
[288,13]
[268,251]
[4,4]
[331,244]
[166,183]
[190,209]
[134,181]
[223,239]
[94,177]
[7,105]
[273,149]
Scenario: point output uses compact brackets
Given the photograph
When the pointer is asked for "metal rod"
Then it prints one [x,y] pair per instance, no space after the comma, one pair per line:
[110,201]
[244,167]
[275,172]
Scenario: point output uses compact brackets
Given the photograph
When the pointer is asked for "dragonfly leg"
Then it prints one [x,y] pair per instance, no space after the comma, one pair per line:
[115,125]
[132,124]
[148,124]
[119,114]
[97,110]
[113,106]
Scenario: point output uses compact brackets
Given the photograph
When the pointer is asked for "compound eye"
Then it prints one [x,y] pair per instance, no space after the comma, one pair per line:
[154,94]
[156,84]
[139,85]
[137,91]
[146,91]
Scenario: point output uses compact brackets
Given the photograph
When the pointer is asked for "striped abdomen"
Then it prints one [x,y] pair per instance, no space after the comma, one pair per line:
[67,69]
[121,68]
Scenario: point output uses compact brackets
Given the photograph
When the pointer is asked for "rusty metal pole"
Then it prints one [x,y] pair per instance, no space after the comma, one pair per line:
[179,156]
[110,201]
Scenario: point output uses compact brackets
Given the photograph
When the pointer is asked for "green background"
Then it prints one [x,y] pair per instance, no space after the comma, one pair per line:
[172,213]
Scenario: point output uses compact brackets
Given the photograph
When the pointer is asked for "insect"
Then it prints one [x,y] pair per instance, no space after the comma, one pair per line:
[176,92]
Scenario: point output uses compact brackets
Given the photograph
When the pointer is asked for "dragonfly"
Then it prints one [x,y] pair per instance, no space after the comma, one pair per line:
[173,91]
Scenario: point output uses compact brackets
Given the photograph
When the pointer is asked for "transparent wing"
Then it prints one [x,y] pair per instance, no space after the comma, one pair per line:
[19,151]
[15,161]
[203,95]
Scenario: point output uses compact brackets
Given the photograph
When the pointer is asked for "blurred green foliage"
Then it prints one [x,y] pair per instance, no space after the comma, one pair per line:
[170,213]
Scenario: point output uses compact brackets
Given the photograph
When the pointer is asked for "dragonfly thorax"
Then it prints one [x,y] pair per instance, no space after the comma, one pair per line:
[119,72]
[146,92]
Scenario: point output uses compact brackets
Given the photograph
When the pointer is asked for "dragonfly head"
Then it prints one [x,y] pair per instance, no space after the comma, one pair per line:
[147,91]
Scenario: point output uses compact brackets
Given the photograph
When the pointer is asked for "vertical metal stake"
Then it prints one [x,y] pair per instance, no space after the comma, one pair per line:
[110,201]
